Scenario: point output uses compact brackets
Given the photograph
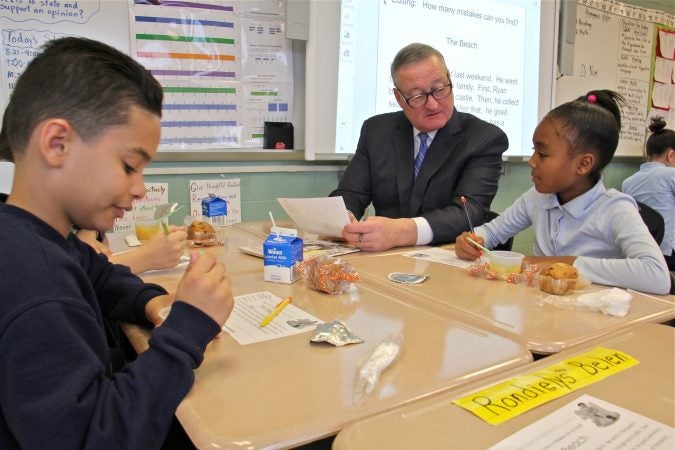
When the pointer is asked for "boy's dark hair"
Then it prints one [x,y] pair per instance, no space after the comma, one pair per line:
[661,139]
[87,83]
[5,151]
[591,123]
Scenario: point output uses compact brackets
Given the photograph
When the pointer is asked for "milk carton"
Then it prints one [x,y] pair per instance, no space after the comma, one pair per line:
[214,210]
[282,252]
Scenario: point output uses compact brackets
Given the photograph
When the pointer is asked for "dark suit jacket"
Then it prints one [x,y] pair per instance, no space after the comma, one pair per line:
[463,159]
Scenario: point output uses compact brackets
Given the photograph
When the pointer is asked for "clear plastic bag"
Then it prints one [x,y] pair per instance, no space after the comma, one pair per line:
[371,367]
[329,274]
[613,302]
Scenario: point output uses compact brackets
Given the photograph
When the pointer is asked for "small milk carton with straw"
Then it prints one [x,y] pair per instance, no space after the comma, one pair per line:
[282,252]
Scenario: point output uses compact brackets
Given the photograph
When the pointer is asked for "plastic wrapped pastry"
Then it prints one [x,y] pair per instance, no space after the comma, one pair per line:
[329,274]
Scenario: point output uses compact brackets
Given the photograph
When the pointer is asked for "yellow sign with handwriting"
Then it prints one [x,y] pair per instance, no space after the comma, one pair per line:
[511,398]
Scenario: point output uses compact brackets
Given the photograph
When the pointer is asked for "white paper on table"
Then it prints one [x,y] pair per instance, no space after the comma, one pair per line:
[311,248]
[184,261]
[588,422]
[439,255]
[324,216]
[250,309]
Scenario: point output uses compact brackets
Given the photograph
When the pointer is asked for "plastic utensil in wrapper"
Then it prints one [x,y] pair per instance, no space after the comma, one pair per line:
[329,274]
[369,369]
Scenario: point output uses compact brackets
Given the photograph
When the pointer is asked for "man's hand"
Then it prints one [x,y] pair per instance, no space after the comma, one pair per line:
[380,233]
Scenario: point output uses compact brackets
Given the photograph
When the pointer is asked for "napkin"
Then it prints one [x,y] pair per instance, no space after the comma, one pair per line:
[614,301]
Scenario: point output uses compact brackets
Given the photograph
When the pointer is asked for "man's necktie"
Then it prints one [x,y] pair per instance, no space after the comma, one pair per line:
[421,153]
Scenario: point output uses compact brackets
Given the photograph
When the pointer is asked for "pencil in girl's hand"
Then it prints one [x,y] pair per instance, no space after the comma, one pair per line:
[463,200]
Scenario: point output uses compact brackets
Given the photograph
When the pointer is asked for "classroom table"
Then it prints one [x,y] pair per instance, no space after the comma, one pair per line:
[230,239]
[286,392]
[513,309]
[437,423]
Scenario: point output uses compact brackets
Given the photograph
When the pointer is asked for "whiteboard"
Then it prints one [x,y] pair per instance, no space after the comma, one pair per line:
[500,56]
[26,25]
[613,50]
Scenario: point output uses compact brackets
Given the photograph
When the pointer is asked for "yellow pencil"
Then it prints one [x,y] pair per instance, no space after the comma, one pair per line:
[275,312]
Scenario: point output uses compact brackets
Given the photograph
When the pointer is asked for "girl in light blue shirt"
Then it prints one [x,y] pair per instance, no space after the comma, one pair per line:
[577,220]
[654,183]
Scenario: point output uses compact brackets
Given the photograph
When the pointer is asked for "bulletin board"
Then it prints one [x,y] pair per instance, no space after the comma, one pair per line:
[615,48]
[225,65]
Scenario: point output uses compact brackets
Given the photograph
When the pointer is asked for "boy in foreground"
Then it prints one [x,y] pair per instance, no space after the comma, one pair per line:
[82,123]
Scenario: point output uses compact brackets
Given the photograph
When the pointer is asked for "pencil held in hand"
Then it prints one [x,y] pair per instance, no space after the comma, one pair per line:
[466,210]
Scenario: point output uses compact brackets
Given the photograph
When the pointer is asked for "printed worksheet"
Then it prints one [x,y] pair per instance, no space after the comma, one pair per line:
[439,255]
[588,422]
[250,309]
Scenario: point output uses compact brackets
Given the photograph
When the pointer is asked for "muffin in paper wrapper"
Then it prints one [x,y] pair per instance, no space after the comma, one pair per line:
[528,276]
[329,274]
[201,234]
[562,286]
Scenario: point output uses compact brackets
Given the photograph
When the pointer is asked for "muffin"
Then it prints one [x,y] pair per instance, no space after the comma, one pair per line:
[201,233]
[558,279]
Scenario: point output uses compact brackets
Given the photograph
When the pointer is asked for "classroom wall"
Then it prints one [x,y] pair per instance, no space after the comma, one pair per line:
[260,187]
[260,190]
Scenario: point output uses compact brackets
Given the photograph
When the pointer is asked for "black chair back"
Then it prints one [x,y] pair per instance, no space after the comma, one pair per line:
[508,245]
[653,220]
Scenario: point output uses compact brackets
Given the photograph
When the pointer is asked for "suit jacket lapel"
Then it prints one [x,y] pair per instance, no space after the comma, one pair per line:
[439,152]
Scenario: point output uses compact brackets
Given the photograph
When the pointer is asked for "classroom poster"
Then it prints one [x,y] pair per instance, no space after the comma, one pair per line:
[226,68]
[155,194]
[663,75]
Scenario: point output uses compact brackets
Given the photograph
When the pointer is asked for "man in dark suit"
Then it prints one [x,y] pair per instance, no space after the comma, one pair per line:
[415,182]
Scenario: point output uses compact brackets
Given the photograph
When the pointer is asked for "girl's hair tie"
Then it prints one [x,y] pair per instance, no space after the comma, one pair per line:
[591,98]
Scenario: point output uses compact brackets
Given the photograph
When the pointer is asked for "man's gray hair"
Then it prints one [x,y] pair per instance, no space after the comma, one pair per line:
[413,53]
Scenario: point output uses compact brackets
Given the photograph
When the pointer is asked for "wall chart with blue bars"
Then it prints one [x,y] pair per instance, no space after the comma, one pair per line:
[225,66]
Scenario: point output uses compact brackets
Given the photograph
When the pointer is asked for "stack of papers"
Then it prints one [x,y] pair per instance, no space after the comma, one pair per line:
[323,216]
[311,248]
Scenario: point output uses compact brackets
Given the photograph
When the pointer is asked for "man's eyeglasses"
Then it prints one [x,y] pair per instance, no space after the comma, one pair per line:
[421,99]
